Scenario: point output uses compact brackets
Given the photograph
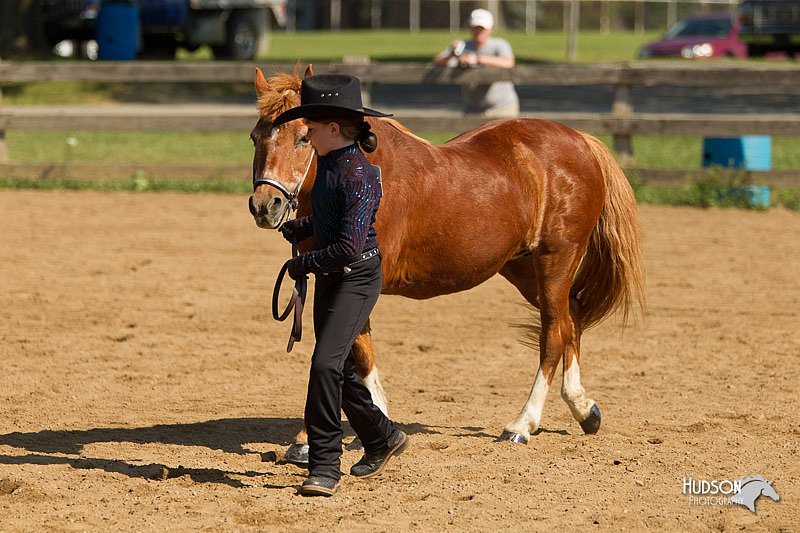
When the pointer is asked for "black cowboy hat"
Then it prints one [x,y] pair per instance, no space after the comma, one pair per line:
[326,94]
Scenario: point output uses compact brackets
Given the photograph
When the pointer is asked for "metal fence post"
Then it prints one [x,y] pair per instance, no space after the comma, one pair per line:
[672,13]
[375,14]
[530,16]
[605,18]
[494,8]
[413,16]
[336,15]
[455,16]
[638,14]
[291,16]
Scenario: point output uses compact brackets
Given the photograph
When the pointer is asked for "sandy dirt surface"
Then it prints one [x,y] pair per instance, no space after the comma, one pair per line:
[145,386]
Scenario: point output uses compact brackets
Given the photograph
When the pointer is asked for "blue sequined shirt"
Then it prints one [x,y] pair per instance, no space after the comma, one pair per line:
[344,201]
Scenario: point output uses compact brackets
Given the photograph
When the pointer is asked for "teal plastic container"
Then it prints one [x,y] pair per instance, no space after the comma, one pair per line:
[749,152]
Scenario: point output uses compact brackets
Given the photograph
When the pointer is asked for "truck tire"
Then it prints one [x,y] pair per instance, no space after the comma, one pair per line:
[246,36]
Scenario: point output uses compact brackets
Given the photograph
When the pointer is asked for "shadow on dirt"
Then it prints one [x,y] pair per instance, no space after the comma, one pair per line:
[149,471]
[228,435]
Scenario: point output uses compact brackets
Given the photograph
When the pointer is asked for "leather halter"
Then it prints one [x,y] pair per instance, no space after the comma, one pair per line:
[291,196]
[298,298]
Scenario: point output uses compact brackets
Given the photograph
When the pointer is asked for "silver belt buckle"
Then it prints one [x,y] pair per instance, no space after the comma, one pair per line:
[364,257]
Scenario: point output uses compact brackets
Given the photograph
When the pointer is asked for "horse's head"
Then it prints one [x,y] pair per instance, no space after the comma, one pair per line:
[751,488]
[283,155]
[769,491]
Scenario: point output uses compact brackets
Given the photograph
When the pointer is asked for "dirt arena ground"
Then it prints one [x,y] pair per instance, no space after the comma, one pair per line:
[144,385]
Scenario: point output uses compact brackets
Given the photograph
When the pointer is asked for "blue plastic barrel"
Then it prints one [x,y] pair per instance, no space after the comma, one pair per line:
[753,195]
[117,30]
[749,152]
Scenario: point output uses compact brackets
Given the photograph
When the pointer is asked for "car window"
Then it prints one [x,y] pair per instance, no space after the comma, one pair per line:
[700,27]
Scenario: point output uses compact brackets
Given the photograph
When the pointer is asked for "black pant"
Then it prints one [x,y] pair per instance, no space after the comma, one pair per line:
[342,305]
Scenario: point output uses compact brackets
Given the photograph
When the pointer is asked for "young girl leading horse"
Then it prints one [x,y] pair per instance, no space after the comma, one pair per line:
[347,264]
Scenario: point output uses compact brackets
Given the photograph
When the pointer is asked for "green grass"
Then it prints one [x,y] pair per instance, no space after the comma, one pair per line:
[399,45]
[138,183]
[325,46]
[225,147]
[77,92]
[212,148]
[64,92]
[699,195]
[672,152]
[715,189]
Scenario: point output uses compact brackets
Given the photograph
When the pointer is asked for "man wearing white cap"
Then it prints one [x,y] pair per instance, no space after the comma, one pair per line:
[495,100]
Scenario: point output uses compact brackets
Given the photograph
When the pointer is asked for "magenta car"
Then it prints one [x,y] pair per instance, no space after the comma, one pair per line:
[704,36]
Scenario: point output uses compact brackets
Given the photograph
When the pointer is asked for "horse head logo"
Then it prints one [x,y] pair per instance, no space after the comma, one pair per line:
[751,488]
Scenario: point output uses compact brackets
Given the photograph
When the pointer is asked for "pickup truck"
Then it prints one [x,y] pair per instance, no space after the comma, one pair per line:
[234,29]
[770,26]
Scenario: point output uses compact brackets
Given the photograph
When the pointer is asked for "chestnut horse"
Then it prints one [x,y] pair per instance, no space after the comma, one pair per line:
[543,205]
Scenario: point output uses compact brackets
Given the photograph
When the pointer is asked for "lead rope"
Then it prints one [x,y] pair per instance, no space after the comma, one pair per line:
[296,301]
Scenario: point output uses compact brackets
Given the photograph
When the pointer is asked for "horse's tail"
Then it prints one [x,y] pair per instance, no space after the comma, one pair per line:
[611,274]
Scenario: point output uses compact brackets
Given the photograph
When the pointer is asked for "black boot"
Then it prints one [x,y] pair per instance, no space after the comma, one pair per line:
[373,463]
[319,486]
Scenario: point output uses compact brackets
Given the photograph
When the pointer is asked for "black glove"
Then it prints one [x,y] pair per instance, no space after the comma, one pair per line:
[295,268]
[288,231]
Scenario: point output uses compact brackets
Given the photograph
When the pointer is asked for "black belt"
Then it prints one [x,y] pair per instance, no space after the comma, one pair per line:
[365,256]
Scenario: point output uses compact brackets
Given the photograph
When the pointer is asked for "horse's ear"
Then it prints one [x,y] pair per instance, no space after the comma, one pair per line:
[261,82]
[309,71]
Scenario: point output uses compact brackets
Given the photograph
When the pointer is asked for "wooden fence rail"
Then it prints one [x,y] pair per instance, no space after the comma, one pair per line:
[622,121]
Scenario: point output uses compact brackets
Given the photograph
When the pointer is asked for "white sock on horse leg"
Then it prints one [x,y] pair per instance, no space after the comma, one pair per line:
[573,393]
[373,382]
[531,415]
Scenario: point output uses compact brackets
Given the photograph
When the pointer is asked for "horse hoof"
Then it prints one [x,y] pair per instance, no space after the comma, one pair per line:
[355,445]
[297,454]
[512,437]
[591,425]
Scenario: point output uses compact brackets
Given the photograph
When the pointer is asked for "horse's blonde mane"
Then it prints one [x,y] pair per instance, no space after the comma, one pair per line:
[282,94]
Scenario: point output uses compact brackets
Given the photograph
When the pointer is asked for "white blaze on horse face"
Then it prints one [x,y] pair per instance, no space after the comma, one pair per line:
[373,383]
[297,173]
[530,417]
[573,393]
[267,172]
